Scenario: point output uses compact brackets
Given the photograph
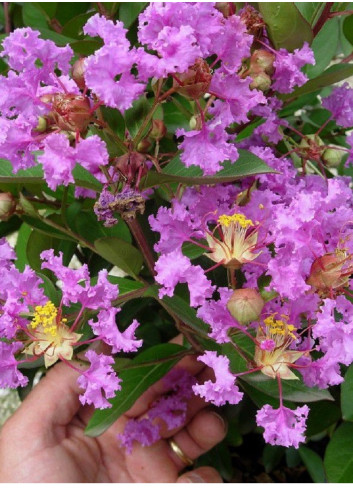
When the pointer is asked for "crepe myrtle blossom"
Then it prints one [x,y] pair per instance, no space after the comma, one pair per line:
[52,332]
[169,410]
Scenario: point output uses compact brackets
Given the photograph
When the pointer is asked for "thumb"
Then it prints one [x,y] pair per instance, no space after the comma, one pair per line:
[201,475]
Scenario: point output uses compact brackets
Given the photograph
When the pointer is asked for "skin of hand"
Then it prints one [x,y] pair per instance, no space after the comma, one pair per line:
[44,440]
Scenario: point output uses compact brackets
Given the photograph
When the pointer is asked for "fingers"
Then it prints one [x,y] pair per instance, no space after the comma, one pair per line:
[204,431]
[201,475]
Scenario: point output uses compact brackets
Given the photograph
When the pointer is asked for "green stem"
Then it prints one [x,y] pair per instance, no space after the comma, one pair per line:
[162,360]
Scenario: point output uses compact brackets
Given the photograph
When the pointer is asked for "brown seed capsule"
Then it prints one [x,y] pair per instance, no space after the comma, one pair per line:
[327,272]
[195,82]
[71,112]
[245,305]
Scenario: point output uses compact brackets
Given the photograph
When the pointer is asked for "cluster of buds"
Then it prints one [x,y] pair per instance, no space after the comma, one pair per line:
[261,68]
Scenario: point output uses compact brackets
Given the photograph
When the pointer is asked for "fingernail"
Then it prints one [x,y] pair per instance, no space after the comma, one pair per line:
[222,419]
[193,477]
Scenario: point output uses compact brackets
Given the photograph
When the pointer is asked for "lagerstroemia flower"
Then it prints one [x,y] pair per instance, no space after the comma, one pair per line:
[99,380]
[223,390]
[10,376]
[283,426]
[340,104]
[287,74]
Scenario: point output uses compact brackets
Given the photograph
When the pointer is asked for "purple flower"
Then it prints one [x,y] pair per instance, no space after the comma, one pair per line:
[99,295]
[174,268]
[17,142]
[237,98]
[108,70]
[223,390]
[106,328]
[206,148]
[340,104]
[59,158]
[10,376]
[25,51]
[99,381]
[141,430]
[287,74]
[7,253]
[283,426]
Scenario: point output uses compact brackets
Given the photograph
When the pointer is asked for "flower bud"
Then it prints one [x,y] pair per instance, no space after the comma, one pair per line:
[158,130]
[332,157]
[245,305]
[71,112]
[7,206]
[143,146]
[195,81]
[224,8]
[132,166]
[78,71]
[326,271]
[260,81]
[262,60]
[193,122]
[42,124]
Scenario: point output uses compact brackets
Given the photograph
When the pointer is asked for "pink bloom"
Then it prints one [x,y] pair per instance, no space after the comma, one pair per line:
[23,48]
[106,328]
[223,390]
[99,381]
[108,70]
[340,104]
[99,295]
[287,74]
[237,98]
[141,430]
[17,142]
[174,268]
[60,158]
[10,376]
[206,148]
[283,426]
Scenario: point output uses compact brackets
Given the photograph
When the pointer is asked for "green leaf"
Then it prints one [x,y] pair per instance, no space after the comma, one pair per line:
[87,226]
[293,390]
[324,47]
[83,178]
[86,47]
[48,8]
[137,113]
[348,28]
[38,242]
[247,165]
[192,251]
[21,246]
[120,253]
[286,26]
[314,464]
[334,74]
[338,459]
[322,415]
[310,10]
[49,289]
[347,395]
[34,16]
[44,228]
[73,28]
[59,39]
[128,12]
[271,456]
[135,381]
[126,285]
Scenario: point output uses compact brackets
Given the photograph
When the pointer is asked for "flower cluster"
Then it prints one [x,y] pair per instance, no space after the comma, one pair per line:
[34,327]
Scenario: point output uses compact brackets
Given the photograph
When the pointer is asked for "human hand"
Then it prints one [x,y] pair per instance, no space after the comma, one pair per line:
[44,440]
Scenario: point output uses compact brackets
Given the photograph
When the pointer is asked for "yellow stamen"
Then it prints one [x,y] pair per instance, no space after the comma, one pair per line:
[240,219]
[46,317]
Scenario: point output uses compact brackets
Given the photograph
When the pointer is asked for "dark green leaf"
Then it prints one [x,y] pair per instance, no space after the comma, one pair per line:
[192,251]
[120,253]
[59,39]
[21,246]
[86,47]
[128,12]
[322,415]
[347,395]
[135,115]
[332,75]
[310,10]
[49,289]
[248,164]
[48,8]
[45,228]
[348,28]
[34,16]
[86,225]
[287,28]
[314,464]
[338,459]
[73,28]
[271,457]
[38,242]
[324,47]
[135,381]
